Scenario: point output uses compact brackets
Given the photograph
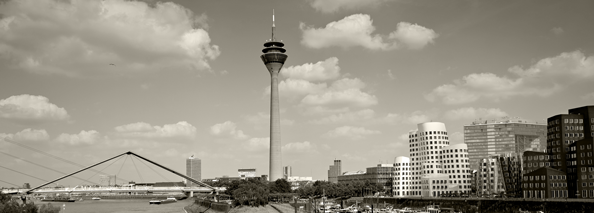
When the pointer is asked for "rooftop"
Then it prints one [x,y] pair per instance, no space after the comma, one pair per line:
[504,120]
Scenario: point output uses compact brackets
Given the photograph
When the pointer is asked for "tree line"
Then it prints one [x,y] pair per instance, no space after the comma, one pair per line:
[255,192]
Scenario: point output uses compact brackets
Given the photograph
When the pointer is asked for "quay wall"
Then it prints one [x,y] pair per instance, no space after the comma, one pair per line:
[485,205]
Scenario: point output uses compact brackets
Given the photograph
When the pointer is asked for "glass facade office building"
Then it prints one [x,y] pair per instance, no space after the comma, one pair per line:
[489,138]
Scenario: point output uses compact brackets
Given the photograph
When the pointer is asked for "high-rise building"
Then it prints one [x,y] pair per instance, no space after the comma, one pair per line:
[287,172]
[193,170]
[487,138]
[274,58]
[334,172]
[437,167]
[570,146]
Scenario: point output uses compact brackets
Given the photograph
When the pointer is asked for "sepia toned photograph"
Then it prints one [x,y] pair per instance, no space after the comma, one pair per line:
[296,106]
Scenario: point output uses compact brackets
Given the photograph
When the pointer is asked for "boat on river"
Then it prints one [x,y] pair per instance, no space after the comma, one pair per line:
[58,199]
[166,201]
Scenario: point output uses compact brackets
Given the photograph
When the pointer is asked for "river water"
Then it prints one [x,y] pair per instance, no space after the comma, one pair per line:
[120,206]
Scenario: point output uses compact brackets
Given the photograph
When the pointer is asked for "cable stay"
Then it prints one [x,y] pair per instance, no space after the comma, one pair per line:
[45,167]
[151,168]
[101,171]
[137,172]
[10,183]
[117,156]
[23,173]
[52,156]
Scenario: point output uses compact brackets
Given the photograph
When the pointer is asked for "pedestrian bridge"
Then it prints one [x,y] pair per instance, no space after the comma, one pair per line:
[133,189]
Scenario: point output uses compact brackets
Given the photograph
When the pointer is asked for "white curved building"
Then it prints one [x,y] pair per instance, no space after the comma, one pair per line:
[430,155]
[402,176]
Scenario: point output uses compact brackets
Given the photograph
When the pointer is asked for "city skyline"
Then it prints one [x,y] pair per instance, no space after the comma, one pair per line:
[169,80]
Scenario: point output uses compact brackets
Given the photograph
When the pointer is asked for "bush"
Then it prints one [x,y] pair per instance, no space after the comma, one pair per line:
[49,208]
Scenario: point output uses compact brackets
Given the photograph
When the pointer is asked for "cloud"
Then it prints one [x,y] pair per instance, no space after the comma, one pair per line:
[84,37]
[342,92]
[413,36]
[456,138]
[546,77]
[331,6]
[30,108]
[391,75]
[263,119]
[418,117]
[295,88]
[356,116]
[320,71]
[299,147]
[557,30]
[323,110]
[353,133]
[84,137]
[357,30]
[181,129]
[470,113]
[228,128]
[257,144]
[27,135]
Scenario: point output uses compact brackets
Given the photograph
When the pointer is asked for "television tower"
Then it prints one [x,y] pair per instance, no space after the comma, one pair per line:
[274,57]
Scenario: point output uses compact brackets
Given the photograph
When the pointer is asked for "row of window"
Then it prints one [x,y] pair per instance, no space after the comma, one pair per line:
[535,177]
[429,133]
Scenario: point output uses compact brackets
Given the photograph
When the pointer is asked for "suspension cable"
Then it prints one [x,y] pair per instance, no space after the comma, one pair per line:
[154,171]
[10,183]
[48,154]
[24,174]
[137,172]
[122,166]
[101,171]
[45,167]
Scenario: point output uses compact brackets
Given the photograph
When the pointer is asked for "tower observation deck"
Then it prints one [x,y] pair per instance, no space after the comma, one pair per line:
[274,58]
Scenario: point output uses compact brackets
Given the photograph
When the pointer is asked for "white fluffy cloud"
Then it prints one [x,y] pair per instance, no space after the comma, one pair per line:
[418,117]
[227,128]
[32,108]
[320,71]
[413,36]
[299,147]
[469,113]
[353,133]
[27,135]
[355,116]
[84,137]
[331,6]
[345,91]
[357,30]
[544,78]
[80,36]
[257,144]
[294,88]
[141,129]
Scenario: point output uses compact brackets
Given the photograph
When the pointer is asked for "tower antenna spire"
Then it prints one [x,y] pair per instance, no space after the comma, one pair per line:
[273,25]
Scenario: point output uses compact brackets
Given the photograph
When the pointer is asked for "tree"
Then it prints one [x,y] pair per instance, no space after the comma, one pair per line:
[280,186]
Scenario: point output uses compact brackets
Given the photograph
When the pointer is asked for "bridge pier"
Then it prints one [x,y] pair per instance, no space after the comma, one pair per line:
[191,194]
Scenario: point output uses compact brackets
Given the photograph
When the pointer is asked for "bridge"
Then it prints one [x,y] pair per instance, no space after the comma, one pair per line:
[132,189]
[43,189]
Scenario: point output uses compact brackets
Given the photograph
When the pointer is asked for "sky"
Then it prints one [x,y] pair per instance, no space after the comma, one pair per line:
[89,80]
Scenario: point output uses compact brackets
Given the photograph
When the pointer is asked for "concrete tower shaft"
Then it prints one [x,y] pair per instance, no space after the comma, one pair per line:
[274,58]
